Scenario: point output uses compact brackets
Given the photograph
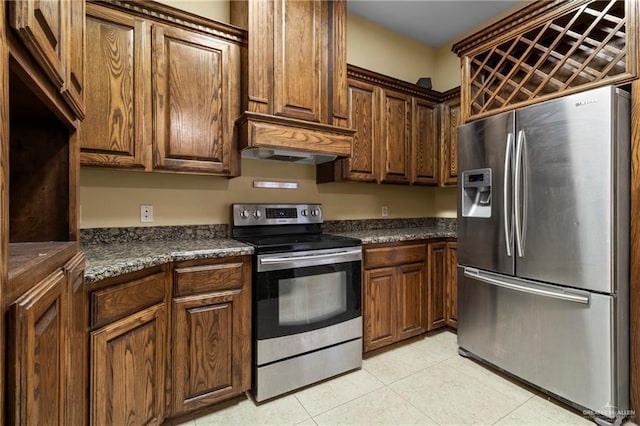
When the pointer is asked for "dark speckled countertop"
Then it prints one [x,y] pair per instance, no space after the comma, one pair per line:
[113,259]
[374,236]
[111,252]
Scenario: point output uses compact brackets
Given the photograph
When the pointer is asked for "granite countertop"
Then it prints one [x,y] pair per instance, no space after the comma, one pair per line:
[111,252]
[373,236]
[113,259]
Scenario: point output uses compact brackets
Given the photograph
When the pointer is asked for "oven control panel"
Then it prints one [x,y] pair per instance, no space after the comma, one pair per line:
[276,214]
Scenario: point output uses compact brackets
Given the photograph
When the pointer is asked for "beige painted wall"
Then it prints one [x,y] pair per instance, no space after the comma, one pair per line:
[376,48]
[112,198]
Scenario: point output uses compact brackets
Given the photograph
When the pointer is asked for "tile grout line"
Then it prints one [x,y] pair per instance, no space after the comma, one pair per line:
[411,404]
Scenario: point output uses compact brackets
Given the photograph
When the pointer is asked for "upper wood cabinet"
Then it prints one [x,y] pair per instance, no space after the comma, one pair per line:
[364,117]
[41,25]
[398,133]
[194,122]
[395,138]
[450,120]
[118,89]
[53,32]
[73,87]
[296,75]
[425,156]
[546,50]
[170,95]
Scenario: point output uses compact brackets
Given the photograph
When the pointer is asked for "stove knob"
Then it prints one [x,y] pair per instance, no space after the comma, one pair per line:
[257,214]
[305,212]
[244,214]
[315,212]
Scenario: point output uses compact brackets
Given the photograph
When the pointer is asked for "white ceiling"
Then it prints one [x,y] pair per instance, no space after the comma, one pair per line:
[433,22]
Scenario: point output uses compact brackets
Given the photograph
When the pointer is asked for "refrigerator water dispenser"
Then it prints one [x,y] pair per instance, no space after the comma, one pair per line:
[476,194]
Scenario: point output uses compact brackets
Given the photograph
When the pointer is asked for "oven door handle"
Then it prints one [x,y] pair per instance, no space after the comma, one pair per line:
[288,259]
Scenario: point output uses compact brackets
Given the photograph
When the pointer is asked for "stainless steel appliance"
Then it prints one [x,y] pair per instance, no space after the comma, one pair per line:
[543,240]
[307,315]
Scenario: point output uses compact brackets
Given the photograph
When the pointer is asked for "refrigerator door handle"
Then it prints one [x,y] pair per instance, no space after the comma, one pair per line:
[516,193]
[508,219]
[524,286]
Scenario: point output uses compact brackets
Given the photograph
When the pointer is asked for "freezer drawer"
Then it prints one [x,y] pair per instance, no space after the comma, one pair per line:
[565,341]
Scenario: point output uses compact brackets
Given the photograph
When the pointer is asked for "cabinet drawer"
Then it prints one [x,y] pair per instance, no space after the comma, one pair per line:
[112,303]
[206,278]
[378,257]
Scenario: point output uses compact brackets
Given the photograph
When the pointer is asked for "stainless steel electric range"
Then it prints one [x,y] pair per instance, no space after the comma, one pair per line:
[307,314]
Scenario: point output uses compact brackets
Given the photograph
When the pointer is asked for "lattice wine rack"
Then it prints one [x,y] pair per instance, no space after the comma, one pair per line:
[546,50]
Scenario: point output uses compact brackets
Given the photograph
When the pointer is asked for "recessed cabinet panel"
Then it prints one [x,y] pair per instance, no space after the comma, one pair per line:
[41,25]
[127,369]
[411,282]
[396,138]
[194,112]
[73,88]
[299,38]
[36,353]
[451,119]
[361,166]
[379,308]
[117,65]
[425,142]
[437,253]
[452,285]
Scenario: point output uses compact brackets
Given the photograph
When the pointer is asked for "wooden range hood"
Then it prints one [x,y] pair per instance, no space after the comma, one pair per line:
[294,81]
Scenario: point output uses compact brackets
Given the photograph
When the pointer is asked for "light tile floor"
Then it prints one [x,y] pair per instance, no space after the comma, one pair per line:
[425,382]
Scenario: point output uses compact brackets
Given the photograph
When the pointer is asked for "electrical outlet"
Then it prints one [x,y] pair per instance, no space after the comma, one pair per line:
[385,211]
[146,213]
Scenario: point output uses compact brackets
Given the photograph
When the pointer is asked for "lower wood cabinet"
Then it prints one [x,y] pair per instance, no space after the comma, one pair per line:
[211,323]
[442,287]
[168,340]
[128,365]
[129,348]
[393,292]
[46,350]
[452,285]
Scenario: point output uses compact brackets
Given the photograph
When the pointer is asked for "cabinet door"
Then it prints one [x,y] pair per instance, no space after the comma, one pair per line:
[300,30]
[41,25]
[410,293]
[425,145]
[363,117]
[73,89]
[37,330]
[76,343]
[117,125]
[379,308]
[196,91]
[452,284]
[449,143]
[395,137]
[436,316]
[211,349]
[127,369]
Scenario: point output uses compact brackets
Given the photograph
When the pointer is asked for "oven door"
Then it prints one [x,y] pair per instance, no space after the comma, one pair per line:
[303,291]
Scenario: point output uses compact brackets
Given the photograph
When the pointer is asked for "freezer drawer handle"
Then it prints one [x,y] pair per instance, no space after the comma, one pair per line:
[477,275]
[508,221]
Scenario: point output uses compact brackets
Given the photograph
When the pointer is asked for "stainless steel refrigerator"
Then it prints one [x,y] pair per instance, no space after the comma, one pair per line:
[543,243]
